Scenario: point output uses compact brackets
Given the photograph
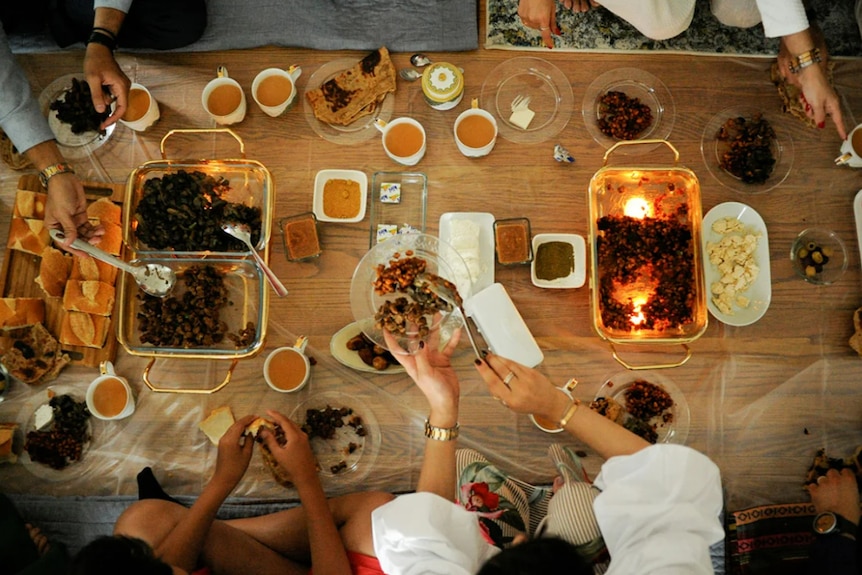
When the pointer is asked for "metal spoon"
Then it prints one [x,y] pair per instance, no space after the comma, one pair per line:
[409,74]
[450,296]
[155,279]
[243,234]
[420,60]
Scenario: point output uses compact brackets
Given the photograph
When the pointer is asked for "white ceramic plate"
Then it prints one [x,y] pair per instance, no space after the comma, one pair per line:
[74,146]
[484,264]
[338,348]
[579,274]
[674,431]
[324,176]
[760,293]
[857,212]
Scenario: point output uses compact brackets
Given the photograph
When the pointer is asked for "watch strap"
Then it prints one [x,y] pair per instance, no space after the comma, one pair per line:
[53,170]
[441,433]
[97,36]
[842,525]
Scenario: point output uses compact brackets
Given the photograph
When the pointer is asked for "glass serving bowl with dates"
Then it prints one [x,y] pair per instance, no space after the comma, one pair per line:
[387,290]
[646,403]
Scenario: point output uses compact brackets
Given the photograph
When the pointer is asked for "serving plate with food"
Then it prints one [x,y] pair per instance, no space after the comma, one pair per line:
[531,86]
[68,106]
[390,289]
[57,432]
[351,347]
[736,269]
[472,236]
[647,403]
[628,104]
[344,97]
[747,150]
[343,432]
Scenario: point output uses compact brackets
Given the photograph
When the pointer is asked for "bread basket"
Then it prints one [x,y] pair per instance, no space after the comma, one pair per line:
[647,285]
[250,184]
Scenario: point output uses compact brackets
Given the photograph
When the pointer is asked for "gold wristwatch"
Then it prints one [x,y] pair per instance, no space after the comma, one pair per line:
[53,170]
[441,433]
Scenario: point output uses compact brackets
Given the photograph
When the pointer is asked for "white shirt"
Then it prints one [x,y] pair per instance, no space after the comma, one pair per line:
[658,513]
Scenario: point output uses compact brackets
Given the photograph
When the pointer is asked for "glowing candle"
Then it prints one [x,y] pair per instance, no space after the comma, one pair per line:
[638,207]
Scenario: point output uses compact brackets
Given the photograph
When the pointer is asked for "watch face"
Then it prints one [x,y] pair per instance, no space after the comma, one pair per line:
[824,523]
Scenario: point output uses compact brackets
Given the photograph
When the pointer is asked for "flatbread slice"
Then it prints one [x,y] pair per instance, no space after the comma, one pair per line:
[355,92]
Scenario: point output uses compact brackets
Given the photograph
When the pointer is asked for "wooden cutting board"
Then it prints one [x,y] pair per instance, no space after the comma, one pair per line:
[20,269]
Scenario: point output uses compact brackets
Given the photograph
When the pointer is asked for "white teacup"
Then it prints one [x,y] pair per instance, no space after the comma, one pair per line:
[110,396]
[223,99]
[142,110]
[554,426]
[475,131]
[851,149]
[403,140]
[287,369]
[274,89]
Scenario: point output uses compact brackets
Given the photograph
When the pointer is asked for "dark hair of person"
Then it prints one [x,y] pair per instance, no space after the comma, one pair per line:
[109,555]
[537,557]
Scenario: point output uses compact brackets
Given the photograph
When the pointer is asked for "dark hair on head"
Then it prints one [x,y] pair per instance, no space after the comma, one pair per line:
[109,555]
[537,557]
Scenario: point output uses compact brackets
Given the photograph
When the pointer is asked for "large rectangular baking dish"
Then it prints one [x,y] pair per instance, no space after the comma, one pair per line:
[672,193]
[250,184]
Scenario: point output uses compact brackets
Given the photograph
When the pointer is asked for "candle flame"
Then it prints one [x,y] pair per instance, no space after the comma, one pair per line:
[638,316]
[638,207]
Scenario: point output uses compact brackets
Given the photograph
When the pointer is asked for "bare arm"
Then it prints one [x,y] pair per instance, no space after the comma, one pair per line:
[184,543]
[531,392]
[433,374]
[328,555]
[101,69]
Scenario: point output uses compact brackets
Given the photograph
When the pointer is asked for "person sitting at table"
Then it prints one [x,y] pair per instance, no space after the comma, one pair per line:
[658,509]
[162,536]
[23,122]
[836,500]
[105,24]
[662,19]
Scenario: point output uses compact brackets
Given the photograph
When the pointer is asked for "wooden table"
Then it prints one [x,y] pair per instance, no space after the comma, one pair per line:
[763,398]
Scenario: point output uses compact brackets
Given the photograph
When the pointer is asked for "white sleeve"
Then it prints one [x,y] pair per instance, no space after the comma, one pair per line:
[658,511]
[121,5]
[782,17]
[422,533]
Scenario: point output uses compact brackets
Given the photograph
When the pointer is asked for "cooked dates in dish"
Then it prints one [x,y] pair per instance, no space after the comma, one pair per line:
[184,211]
[75,108]
[748,155]
[622,117]
[369,352]
[192,316]
[325,424]
[645,400]
[63,443]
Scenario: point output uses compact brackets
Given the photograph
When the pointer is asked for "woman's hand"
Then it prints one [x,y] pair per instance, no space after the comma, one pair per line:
[522,389]
[295,456]
[432,371]
[540,15]
[234,454]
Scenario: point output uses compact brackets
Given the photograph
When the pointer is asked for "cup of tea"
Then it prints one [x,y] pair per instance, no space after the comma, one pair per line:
[851,149]
[223,99]
[403,140]
[109,396]
[274,89]
[287,369]
[547,425]
[475,131]
[142,110]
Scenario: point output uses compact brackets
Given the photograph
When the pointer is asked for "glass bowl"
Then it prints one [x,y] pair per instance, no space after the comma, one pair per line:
[442,260]
[825,268]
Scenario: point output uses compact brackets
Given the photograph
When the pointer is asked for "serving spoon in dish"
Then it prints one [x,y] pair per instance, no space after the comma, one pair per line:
[243,234]
[450,295]
[155,279]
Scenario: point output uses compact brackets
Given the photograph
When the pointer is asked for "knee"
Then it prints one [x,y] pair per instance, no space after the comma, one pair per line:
[736,13]
[144,519]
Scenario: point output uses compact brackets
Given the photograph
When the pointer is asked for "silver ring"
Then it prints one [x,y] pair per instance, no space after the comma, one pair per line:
[509,378]
[821,478]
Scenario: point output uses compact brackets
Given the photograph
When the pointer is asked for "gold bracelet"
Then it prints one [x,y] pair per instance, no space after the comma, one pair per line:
[441,433]
[576,403]
[802,61]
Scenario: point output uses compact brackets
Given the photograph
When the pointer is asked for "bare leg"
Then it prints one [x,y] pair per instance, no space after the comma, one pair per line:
[275,543]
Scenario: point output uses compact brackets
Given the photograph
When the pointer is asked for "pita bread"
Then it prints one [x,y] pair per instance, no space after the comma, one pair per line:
[355,92]
[269,461]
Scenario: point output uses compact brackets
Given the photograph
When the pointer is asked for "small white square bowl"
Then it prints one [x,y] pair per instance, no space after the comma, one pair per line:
[579,248]
[324,176]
